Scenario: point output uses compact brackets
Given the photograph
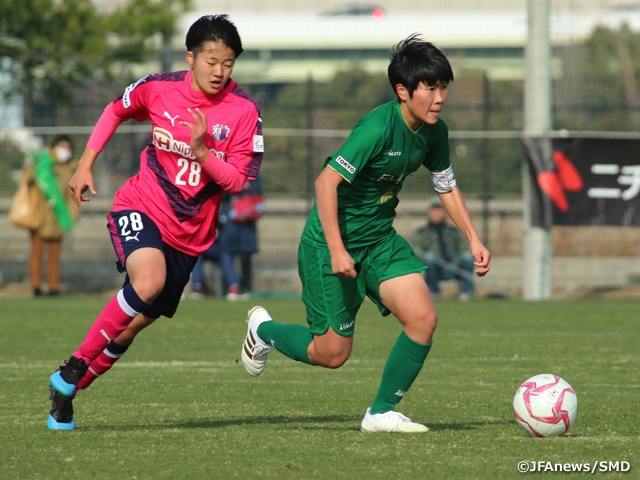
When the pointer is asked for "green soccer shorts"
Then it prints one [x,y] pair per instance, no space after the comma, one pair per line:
[333,300]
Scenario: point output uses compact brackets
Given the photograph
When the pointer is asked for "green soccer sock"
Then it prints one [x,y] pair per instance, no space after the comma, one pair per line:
[290,339]
[403,366]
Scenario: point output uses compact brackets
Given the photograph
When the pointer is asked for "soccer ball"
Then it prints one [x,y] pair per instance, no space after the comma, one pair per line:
[545,405]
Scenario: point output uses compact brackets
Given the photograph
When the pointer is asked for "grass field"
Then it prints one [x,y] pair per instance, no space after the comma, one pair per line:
[179,405]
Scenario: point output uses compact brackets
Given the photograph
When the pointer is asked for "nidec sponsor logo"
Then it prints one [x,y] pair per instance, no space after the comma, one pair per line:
[163,139]
[346,165]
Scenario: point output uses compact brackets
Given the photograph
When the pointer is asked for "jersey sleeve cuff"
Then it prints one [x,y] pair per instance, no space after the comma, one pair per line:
[346,179]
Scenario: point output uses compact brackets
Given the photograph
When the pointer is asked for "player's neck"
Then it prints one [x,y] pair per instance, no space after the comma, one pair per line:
[412,122]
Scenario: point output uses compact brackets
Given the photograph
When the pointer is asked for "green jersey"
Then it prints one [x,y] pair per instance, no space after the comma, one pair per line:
[380,153]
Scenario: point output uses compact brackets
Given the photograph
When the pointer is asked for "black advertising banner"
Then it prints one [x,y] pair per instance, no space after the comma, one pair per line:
[584,181]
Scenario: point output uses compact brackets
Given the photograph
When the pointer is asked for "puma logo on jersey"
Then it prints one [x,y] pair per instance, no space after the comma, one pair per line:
[173,119]
[346,165]
[132,237]
[390,153]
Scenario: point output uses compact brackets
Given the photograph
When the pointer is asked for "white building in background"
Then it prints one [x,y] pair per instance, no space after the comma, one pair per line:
[288,40]
[287,46]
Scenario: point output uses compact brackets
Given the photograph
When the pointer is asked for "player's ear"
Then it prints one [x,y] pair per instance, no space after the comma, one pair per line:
[402,92]
[190,58]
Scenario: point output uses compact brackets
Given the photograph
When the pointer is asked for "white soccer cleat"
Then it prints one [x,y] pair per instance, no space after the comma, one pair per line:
[390,422]
[254,350]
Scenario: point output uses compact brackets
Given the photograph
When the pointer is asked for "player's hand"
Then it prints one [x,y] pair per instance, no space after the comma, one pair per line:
[198,132]
[342,264]
[482,258]
[81,181]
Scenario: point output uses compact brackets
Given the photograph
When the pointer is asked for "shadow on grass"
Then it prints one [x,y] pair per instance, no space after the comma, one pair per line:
[466,425]
[320,422]
[324,422]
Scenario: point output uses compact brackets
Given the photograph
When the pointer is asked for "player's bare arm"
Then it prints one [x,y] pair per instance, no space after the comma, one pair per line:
[456,207]
[82,179]
[327,203]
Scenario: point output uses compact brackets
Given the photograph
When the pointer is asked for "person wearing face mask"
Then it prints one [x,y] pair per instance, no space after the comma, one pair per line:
[50,170]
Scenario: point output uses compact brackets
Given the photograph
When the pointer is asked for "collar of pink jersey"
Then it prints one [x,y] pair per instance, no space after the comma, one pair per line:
[217,97]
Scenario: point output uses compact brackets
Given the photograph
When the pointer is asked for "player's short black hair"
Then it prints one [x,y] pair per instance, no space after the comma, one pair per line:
[216,29]
[414,60]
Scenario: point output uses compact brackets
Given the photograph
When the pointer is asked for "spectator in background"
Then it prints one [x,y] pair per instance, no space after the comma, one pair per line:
[223,258]
[238,232]
[445,251]
[50,171]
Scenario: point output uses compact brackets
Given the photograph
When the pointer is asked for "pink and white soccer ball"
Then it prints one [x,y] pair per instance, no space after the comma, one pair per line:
[545,405]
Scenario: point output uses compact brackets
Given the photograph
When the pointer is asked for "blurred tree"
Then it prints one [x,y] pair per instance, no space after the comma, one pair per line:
[56,45]
[352,92]
[10,166]
[334,105]
[145,28]
[52,45]
[337,104]
[598,89]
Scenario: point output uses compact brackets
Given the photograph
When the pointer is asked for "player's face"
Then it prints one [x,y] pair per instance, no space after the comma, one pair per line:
[424,106]
[211,67]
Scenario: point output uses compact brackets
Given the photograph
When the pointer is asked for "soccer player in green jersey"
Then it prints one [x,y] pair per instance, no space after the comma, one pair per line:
[349,248]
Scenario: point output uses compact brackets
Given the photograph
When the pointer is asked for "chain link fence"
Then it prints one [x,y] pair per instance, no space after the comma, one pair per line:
[307,118]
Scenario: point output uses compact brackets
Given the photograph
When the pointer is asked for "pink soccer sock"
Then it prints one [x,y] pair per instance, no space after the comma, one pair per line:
[107,358]
[112,321]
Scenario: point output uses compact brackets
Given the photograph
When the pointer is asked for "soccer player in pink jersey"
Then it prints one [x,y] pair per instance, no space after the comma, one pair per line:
[206,139]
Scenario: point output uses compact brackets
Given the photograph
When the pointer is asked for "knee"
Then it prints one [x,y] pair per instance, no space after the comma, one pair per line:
[429,321]
[421,327]
[333,358]
[332,361]
[149,287]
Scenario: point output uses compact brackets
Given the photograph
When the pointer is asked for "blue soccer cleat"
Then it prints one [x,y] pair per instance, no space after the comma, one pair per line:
[65,379]
[62,385]
[61,415]
[59,385]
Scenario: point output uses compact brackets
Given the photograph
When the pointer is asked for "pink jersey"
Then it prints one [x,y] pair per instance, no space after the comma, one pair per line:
[172,188]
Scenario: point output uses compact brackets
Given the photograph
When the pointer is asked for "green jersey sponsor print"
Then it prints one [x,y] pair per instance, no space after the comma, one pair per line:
[381,152]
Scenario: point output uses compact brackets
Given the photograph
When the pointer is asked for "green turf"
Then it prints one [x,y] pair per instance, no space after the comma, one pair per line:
[178,405]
